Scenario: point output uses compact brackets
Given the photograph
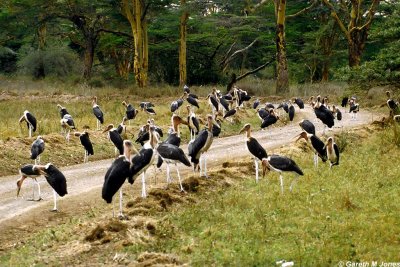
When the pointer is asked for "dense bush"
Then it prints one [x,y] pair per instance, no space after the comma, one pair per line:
[53,61]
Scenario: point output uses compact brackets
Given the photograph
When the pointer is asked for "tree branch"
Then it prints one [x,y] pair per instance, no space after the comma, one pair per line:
[371,13]
[116,33]
[231,57]
[227,54]
[255,70]
[337,19]
[304,10]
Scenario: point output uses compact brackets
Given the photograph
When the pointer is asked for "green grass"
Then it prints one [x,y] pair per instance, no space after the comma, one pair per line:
[349,213]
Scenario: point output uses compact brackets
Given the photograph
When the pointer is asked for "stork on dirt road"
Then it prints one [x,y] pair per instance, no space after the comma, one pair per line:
[54,177]
[254,147]
[116,175]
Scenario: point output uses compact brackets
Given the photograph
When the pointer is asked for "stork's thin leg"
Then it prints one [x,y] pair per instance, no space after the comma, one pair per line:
[40,195]
[200,161]
[55,200]
[293,182]
[256,164]
[143,185]
[120,215]
[30,131]
[113,209]
[281,178]
[205,165]
[67,136]
[179,177]
[36,161]
[168,174]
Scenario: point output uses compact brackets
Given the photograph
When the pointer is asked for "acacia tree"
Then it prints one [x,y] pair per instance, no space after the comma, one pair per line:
[135,12]
[359,21]
[282,80]
[182,44]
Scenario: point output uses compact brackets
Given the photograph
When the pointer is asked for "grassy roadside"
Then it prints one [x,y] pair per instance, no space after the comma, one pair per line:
[349,213]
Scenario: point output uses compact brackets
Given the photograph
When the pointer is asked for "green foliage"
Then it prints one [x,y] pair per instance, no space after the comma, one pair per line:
[53,61]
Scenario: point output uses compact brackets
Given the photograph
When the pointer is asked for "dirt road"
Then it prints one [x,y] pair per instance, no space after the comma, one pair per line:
[85,180]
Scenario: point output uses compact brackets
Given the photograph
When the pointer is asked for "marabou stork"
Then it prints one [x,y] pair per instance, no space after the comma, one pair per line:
[317,145]
[25,172]
[392,104]
[224,103]
[291,111]
[148,108]
[337,113]
[131,112]
[121,129]
[144,159]
[116,175]
[191,100]
[115,138]
[172,154]
[231,113]
[345,100]
[354,108]
[175,105]
[269,106]
[270,119]
[325,115]
[37,148]
[63,110]
[262,113]
[332,152]
[186,89]
[299,102]
[199,146]
[216,128]
[86,143]
[174,137]
[30,120]
[254,147]
[53,176]
[283,105]
[213,101]
[307,126]
[281,164]
[256,103]
[98,113]
[67,123]
[192,122]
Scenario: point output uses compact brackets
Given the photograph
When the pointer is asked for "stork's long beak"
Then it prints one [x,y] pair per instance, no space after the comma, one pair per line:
[242,130]
[19,184]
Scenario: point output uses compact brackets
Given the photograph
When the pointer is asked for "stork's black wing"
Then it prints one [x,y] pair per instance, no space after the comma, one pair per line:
[117,141]
[256,149]
[284,164]
[319,146]
[115,178]
[99,114]
[56,180]
[172,152]
[28,170]
[140,161]
[197,144]
[31,120]
[86,143]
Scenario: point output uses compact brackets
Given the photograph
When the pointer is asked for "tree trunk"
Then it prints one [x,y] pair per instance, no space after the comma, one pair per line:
[182,47]
[356,47]
[90,45]
[282,79]
[325,71]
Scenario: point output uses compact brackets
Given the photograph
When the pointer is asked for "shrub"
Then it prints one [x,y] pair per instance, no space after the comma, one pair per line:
[53,61]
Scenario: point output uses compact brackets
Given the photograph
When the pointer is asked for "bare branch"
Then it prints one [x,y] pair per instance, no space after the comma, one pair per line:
[227,54]
[231,57]
[255,70]
[116,33]
[304,10]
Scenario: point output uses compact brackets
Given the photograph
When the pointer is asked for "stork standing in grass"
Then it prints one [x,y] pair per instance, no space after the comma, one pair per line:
[67,123]
[86,143]
[392,104]
[193,123]
[54,177]
[281,164]
[116,175]
[30,120]
[254,147]
[63,111]
[332,152]
[130,112]
[37,149]
[97,113]
[115,138]
[199,146]
[317,145]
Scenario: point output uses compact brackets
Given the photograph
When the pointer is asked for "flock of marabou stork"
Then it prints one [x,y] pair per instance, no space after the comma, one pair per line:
[131,163]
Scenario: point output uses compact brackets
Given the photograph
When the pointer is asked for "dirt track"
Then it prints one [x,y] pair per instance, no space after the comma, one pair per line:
[85,180]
